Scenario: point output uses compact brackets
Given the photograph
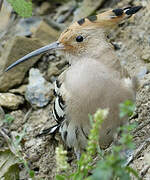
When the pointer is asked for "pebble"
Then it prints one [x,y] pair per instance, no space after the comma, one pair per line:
[16,48]
[39,91]
[10,101]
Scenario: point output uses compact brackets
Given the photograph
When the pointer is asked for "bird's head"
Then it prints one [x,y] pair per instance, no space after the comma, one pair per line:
[84,36]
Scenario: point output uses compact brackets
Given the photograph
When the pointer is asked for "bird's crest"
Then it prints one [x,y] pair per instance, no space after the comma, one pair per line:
[106,19]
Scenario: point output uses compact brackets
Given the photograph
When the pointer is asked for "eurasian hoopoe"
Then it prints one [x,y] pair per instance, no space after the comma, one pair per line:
[94,80]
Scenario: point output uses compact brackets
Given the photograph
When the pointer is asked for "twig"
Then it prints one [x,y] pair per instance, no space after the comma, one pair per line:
[27,115]
[5,136]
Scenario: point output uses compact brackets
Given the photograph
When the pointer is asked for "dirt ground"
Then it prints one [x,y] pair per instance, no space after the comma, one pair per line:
[132,42]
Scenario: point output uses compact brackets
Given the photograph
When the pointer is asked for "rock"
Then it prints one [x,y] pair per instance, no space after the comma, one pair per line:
[44,8]
[24,26]
[56,68]
[53,70]
[86,8]
[21,90]
[15,49]
[39,91]
[10,101]
[45,33]
[19,120]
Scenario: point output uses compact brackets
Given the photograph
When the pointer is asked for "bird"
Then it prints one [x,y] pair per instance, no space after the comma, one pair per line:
[95,79]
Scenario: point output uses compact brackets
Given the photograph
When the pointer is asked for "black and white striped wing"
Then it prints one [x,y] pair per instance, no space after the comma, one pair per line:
[59,104]
[58,110]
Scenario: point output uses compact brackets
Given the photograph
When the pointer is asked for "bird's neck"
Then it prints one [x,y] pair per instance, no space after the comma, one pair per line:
[104,54]
[109,58]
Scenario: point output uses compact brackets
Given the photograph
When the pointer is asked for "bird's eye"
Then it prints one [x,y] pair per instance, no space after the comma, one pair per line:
[79,38]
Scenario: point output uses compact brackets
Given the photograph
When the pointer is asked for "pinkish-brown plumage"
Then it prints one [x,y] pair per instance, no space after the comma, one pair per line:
[94,80]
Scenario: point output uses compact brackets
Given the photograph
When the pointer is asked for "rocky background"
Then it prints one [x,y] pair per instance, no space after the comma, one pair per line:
[26,92]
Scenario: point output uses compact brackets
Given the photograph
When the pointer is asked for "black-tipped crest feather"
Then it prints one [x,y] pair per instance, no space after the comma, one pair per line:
[132,10]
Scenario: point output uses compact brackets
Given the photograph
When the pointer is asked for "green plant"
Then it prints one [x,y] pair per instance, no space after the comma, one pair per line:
[127,108]
[61,159]
[22,7]
[8,119]
[111,166]
[85,162]
[15,146]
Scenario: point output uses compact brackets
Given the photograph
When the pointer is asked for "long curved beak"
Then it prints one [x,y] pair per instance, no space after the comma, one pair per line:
[54,45]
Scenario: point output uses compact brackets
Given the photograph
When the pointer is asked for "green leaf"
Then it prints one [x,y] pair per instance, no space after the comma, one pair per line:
[22,7]
[132,171]
[31,173]
[103,172]
[126,108]
[59,177]
[8,118]
[12,173]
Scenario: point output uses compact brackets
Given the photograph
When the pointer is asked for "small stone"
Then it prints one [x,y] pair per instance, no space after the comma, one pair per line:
[146,57]
[10,101]
[39,91]
[15,49]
